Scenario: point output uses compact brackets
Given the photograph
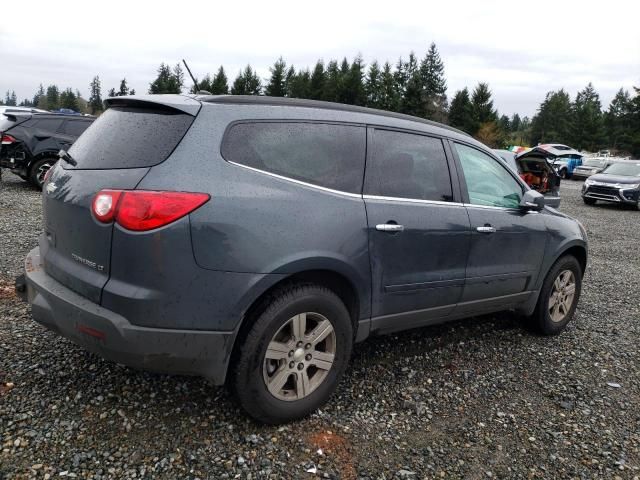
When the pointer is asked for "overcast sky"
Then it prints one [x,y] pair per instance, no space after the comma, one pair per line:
[522,49]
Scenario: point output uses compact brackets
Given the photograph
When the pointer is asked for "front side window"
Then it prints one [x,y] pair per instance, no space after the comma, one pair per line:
[327,155]
[407,165]
[488,182]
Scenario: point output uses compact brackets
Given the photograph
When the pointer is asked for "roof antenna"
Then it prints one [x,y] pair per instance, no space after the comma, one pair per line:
[195,83]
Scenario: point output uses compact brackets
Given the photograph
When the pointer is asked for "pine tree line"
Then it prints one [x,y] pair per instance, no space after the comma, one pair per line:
[415,86]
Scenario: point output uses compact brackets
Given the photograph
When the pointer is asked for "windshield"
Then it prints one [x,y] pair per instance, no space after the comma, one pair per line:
[628,169]
[595,163]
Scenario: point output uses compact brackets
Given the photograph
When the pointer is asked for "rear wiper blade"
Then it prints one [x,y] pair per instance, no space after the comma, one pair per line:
[64,155]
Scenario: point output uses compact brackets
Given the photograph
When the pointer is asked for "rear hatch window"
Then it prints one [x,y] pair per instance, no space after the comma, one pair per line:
[124,137]
[9,121]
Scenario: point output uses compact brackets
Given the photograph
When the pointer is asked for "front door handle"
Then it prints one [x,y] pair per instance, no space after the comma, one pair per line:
[389,227]
[486,229]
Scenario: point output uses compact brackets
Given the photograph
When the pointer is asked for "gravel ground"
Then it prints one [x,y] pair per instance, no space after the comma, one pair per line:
[475,399]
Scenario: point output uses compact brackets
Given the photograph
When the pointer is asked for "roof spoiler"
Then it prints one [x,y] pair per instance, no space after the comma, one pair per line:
[180,103]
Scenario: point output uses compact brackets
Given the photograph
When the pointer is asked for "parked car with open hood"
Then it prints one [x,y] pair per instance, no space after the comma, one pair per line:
[618,183]
[31,141]
[253,240]
[534,168]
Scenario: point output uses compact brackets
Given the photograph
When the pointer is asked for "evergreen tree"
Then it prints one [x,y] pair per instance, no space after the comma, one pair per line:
[634,124]
[132,91]
[69,100]
[373,86]
[277,83]
[588,126]
[124,89]
[168,80]
[332,83]
[618,120]
[11,99]
[53,97]
[552,122]
[434,85]
[247,83]
[178,79]
[389,99]
[343,73]
[112,92]
[413,91]
[316,86]
[461,111]
[353,90]
[505,124]
[219,84]
[401,77]
[95,96]
[39,97]
[299,84]
[482,106]
[515,122]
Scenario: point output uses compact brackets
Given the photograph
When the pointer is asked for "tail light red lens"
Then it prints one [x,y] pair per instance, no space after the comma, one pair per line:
[8,139]
[142,210]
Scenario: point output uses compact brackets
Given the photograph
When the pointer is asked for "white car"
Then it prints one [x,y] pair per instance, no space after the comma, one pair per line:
[9,109]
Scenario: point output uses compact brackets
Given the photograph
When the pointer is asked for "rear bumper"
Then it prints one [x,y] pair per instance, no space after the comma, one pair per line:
[190,352]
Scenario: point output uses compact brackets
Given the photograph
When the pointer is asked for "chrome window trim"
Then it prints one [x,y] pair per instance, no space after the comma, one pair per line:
[491,207]
[298,182]
[411,200]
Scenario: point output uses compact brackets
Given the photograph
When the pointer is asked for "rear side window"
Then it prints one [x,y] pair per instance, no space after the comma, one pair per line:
[50,125]
[406,165]
[124,137]
[328,155]
[76,127]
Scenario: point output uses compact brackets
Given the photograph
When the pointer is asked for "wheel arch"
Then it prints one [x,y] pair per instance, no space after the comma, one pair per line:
[343,285]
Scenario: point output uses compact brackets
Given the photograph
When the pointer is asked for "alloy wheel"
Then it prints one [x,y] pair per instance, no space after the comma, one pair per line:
[299,356]
[42,172]
[562,296]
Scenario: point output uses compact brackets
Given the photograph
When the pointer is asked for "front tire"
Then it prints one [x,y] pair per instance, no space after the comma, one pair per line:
[39,170]
[294,354]
[558,297]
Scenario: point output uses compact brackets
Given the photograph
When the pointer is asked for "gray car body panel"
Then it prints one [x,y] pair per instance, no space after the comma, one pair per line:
[204,272]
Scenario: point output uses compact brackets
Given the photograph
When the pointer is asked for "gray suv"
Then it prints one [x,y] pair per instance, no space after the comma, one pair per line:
[254,240]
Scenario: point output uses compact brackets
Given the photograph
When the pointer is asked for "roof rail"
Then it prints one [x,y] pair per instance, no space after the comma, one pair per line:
[299,102]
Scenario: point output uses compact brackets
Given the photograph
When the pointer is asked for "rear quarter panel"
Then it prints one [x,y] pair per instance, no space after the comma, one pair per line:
[256,223]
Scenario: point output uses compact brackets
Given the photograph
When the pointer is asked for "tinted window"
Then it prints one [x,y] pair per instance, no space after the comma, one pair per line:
[49,124]
[331,156]
[408,166]
[124,137]
[488,182]
[76,127]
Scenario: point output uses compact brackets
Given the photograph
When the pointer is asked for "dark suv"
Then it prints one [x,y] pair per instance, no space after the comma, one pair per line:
[254,240]
[31,142]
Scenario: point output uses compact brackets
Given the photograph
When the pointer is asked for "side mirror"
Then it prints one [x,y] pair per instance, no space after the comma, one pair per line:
[532,200]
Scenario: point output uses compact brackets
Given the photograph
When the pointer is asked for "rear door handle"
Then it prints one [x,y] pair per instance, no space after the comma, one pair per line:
[486,229]
[389,227]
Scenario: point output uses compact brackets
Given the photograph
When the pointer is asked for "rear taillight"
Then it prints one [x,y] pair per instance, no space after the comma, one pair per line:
[48,174]
[8,139]
[141,210]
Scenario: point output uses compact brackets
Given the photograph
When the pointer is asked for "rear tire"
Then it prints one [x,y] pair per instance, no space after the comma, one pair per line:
[294,354]
[589,201]
[38,171]
[563,173]
[558,297]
